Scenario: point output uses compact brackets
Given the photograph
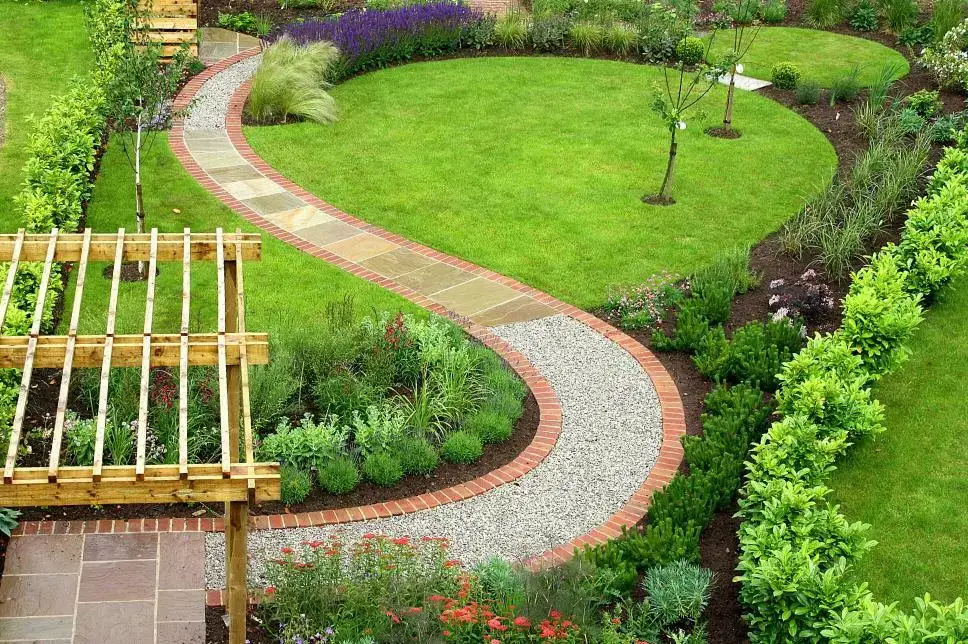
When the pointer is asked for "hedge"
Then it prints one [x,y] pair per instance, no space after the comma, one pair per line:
[796,549]
[59,173]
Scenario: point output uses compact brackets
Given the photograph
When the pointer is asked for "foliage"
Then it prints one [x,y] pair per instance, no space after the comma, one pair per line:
[621,38]
[306,444]
[754,355]
[8,520]
[773,11]
[678,591]
[899,14]
[339,476]
[586,36]
[845,87]
[947,60]
[295,485]
[79,435]
[417,456]
[691,50]
[925,102]
[785,76]
[864,17]
[824,14]
[462,447]
[490,426]
[643,306]
[382,468]
[808,298]
[291,83]
[808,92]
[373,39]
[945,16]
[511,30]
[243,21]
[549,31]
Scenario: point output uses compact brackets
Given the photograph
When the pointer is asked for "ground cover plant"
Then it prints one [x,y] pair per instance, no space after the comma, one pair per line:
[820,55]
[557,196]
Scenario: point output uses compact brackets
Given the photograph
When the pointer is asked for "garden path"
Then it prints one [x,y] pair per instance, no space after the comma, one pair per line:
[617,414]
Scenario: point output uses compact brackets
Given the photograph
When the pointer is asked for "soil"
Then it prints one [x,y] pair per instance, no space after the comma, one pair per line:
[129,272]
[658,200]
[217,631]
[724,132]
[718,549]
[209,10]
[447,475]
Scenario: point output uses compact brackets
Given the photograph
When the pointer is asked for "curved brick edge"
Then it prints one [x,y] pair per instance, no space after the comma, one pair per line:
[549,428]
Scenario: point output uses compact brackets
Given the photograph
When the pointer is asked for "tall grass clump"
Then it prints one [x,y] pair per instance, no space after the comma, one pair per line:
[900,14]
[945,16]
[291,83]
[511,30]
[824,13]
[586,36]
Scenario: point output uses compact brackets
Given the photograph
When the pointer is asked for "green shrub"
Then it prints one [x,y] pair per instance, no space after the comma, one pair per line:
[550,7]
[290,83]
[808,92]
[295,485]
[678,591]
[691,329]
[864,17]
[586,36]
[910,122]
[660,30]
[243,21]
[511,30]
[462,447]
[754,355]
[549,32]
[824,14]
[785,76]
[382,468]
[946,59]
[79,436]
[489,426]
[925,102]
[379,429]
[900,14]
[773,11]
[417,456]
[306,444]
[339,476]
[8,520]
[691,50]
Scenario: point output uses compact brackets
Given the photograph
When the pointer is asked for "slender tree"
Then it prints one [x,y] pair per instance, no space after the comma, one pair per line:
[673,102]
[742,15]
[139,105]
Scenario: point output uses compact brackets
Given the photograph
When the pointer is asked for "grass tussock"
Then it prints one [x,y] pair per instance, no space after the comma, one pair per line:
[290,84]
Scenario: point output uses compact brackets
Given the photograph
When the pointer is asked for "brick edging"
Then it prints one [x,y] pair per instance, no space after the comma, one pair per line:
[549,427]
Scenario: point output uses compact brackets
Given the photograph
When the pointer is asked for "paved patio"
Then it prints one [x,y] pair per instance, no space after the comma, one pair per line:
[104,588]
[216,44]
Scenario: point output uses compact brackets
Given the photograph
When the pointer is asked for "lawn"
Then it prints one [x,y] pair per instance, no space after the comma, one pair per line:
[910,482]
[534,167]
[286,291]
[44,45]
[820,55]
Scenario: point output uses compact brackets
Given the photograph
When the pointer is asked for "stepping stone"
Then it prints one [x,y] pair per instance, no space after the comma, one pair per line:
[475,296]
[397,262]
[218,44]
[745,82]
[360,247]
[522,309]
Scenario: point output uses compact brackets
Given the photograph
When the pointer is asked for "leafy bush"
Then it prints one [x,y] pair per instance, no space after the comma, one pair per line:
[378,430]
[785,75]
[824,14]
[306,444]
[243,21]
[549,32]
[691,329]
[808,92]
[382,468]
[643,306]
[691,50]
[846,86]
[586,36]
[462,447]
[339,476]
[291,81]
[295,485]
[925,102]
[773,11]
[864,17]
[79,435]
[678,591]
[661,28]
[910,121]
[491,427]
[511,30]
[417,456]
[946,59]
[754,355]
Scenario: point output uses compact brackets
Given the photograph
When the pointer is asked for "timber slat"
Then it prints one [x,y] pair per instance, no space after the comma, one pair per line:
[16,250]
[223,393]
[183,357]
[137,247]
[102,400]
[146,357]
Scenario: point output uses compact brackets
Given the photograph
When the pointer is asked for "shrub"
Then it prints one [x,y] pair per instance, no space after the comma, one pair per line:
[511,30]
[549,32]
[773,11]
[691,50]
[864,17]
[305,445]
[417,456]
[586,36]
[290,82]
[691,329]
[946,60]
[945,16]
[645,305]
[808,92]
[79,435]
[785,75]
[621,38]
[824,14]
[900,14]
[678,591]
[489,426]
[945,128]
[339,476]
[754,355]
[382,468]
[462,447]
[295,485]
[660,30]
[925,102]
[243,21]
[846,86]
[379,429]
[910,122]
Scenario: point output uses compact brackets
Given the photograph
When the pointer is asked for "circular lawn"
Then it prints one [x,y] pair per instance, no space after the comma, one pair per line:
[535,167]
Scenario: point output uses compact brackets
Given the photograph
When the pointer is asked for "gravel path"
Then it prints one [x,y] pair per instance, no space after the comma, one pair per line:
[610,439]
[212,101]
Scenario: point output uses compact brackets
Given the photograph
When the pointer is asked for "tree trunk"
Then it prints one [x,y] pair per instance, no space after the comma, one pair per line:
[728,118]
[138,201]
[666,191]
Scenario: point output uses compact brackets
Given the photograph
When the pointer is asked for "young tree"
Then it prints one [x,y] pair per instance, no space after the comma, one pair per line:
[139,102]
[742,14]
[673,102]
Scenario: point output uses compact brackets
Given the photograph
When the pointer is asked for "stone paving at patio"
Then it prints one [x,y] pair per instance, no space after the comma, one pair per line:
[104,588]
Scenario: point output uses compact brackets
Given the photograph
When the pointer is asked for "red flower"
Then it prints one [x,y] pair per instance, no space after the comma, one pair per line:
[554,614]
[450,563]
[270,590]
[402,541]
[393,616]
[286,550]
[496,624]
[522,621]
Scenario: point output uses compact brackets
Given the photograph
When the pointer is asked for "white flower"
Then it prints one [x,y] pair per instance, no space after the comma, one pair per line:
[680,125]
[739,68]
[781,314]
[774,299]
[777,283]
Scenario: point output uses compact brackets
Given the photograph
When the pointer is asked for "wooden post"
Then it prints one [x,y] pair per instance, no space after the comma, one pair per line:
[236,533]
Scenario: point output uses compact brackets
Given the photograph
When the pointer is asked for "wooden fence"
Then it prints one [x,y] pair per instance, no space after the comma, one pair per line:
[170,23]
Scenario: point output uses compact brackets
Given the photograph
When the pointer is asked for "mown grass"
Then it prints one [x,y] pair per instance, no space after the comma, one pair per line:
[534,167]
[286,292]
[44,45]
[910,483]
[821,55]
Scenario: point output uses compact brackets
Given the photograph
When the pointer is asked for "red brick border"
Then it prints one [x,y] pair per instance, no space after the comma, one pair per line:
[549,427]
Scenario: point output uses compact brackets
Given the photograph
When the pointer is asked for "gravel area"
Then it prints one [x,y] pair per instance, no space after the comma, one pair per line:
[212,101]
[612,431]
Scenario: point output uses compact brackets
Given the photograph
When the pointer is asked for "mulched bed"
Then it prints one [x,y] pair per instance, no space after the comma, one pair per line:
[447,475]
[209,10]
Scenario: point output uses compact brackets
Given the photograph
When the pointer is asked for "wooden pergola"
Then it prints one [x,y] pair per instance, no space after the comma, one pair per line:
[234,480]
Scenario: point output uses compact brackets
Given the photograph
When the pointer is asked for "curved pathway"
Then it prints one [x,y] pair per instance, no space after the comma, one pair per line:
[611,417]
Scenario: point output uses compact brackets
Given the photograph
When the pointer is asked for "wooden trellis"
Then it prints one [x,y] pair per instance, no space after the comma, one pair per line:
[234,480]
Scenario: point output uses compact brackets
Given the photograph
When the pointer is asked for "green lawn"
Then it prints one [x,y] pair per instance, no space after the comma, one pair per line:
[44,45]
[911,483]
[286,291]
[534,167]
[820,55]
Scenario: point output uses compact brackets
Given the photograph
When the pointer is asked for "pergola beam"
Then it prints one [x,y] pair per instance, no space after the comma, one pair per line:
[137,247]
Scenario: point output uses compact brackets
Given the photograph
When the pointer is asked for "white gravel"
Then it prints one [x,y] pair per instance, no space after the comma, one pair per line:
[612,430]
[212,100]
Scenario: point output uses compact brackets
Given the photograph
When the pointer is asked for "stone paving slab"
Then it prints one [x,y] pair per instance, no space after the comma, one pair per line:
[217,44]
[104,588]
[748,83]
